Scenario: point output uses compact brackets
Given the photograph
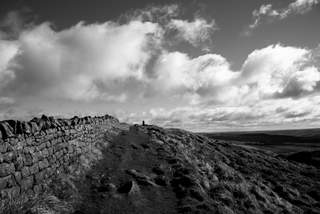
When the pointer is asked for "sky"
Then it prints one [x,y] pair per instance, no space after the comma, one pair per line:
[201,65]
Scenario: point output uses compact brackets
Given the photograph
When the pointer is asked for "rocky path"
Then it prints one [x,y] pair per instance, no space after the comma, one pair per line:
[153,170]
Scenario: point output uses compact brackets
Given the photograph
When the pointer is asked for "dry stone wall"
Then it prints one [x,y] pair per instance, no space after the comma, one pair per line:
[33,153]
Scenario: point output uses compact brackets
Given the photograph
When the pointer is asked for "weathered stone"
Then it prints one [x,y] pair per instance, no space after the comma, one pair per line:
[25,172]
[27,183]
[34,169]
[50,150]
[6,130]
[9,156]
[4,182]
[28,160]
[45,153]
[10,193]
[26,128]
[18,177]
[6,169]
[39,177]
[43,164]
[19,163]
[37,189]
[34,127]
[3,147]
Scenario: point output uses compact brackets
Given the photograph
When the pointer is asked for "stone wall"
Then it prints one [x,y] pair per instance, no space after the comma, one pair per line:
[34,152]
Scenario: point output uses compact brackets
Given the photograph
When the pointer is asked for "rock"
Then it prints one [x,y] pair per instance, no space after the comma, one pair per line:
[25,172]
[184,180]
[6,130]
[107,188]
[161,181]
[140,177]
[130,188]
[26,128]
[27,183]
[75,120]
[5,181]
[33,127]
[10,193]
[18,177]
[9,156]
[6,169]
[159,170]
[196,195]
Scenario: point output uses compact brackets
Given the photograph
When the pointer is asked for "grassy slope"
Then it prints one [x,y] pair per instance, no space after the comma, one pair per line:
[153,170]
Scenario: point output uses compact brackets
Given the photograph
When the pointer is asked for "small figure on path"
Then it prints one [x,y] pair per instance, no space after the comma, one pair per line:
[143,123]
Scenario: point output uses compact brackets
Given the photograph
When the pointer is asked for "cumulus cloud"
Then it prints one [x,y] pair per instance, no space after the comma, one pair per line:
[195,32]
[206,75]
[271,72]
[280,71]
[69,63]
[8,51]
[266,12]
[119,62]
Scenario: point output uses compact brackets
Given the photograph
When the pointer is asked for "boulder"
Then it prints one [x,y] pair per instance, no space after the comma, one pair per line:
[6,169]
[26,128]
[33,127]
[6,130]
[130,188]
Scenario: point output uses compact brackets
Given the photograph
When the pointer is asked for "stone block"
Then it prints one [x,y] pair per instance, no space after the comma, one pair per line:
[4,182]
[43,164]
[6,130]
[19,163]
[3,147]
[13,192]
[18,177]
[28,160]
[50,150]
[45,153]
[34,168]
[27,183]
[25,172]
[37,189]
[6,169]
[9,156]
[39,177]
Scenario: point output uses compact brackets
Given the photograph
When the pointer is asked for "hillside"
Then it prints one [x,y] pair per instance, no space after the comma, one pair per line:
[147,169]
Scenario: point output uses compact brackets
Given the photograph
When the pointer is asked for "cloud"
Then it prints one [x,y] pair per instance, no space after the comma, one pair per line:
[194,32]
[128,64]
[206,75]
[272,72]
[280,71]
[69,63]
[6,101]
[161,14]
[8,51]
[269,114]
[266,13]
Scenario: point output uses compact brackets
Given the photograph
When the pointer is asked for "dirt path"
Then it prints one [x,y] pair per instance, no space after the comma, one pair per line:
[152,170]
[125,181]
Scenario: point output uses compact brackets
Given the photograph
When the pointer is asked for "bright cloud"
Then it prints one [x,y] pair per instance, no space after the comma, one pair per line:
[8,51]
[195,32]
[280,71]
[267,13]
[114,62]
[69,63]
